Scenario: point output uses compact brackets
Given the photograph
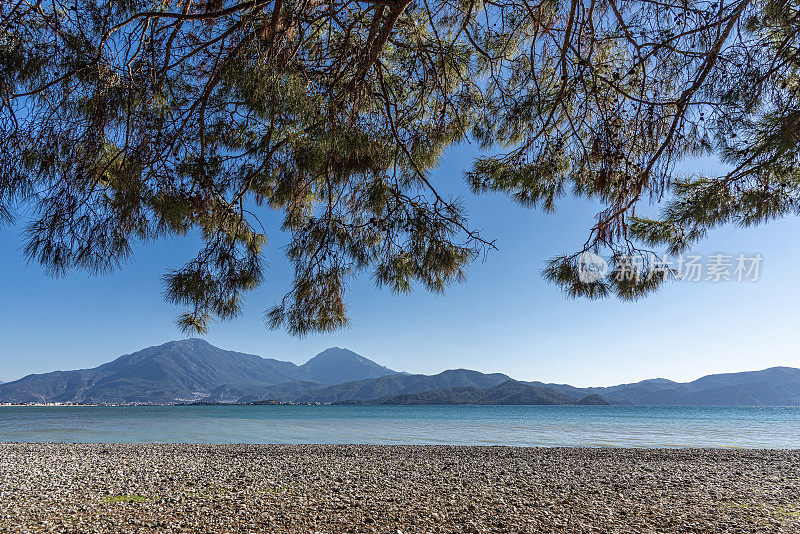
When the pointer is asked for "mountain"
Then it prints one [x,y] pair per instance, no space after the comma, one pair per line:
[510,392]
[284,392]
[593,400]
[184,371]
[335,366]
[356,391]
[400,384]
[776,386]
[194,370]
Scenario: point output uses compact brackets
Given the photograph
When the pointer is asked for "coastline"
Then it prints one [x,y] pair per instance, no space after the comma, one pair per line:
[123,405]
[389,488]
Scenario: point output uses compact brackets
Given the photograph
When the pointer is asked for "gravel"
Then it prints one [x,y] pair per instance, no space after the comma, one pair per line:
[358,488]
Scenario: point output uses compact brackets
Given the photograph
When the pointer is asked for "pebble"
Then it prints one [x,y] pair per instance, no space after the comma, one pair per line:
[396,489]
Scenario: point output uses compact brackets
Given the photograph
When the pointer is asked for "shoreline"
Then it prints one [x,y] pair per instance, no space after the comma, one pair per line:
[390,488]
[366,405]
[642,448]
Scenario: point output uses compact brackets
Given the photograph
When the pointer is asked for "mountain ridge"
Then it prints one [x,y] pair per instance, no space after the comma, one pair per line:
[338,365]
[510,392]
[774,386]
[176,371]
[399,384]
[194,370]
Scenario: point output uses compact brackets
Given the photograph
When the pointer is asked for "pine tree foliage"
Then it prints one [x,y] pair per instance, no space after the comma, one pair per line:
[124,121]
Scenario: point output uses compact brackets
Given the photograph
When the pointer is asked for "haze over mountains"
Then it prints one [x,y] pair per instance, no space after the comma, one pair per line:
[194,370]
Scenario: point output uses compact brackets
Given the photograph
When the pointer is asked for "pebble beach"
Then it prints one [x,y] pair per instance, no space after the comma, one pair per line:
[394,489]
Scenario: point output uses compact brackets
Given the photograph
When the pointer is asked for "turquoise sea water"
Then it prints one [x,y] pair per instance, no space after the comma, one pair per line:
[623,426]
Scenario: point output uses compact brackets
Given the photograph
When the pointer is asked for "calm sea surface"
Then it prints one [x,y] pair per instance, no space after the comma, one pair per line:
[622,426]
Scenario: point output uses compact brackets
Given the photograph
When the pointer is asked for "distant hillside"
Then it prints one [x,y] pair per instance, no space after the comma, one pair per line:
[193,370]
[509,392]
[284,392]
[776,386]
[399,384]
[184,370]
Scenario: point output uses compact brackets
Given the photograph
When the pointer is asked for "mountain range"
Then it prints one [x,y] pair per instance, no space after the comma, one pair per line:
[193,370]
[510,392]
[776,386]
[187,370]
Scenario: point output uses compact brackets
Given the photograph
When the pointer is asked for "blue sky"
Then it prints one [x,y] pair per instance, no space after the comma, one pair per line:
[504,318]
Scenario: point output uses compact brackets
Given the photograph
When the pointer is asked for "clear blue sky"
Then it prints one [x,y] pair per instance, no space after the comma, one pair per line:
[504,318]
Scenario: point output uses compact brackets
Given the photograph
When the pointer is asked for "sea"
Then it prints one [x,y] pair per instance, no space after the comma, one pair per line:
[547,426]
